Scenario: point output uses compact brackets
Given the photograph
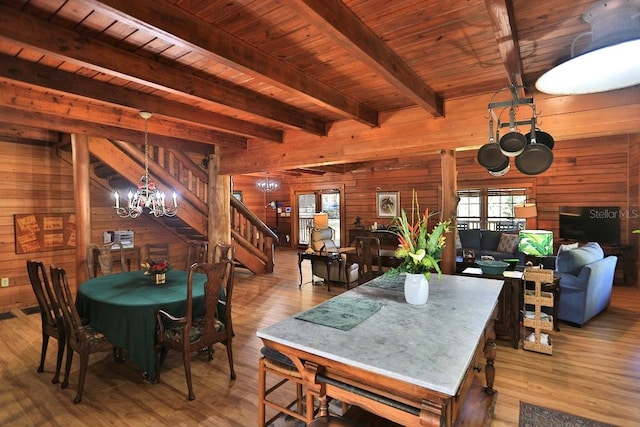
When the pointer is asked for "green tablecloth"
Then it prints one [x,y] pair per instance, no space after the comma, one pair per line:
[123,307]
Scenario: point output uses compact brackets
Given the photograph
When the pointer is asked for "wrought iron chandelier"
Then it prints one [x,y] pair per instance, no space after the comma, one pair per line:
[267,185]
[146,195]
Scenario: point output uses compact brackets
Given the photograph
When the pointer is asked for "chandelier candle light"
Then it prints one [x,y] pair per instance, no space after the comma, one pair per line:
[146,195]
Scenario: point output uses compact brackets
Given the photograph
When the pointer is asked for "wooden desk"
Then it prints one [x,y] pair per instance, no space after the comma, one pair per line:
[413,365]
[387,239]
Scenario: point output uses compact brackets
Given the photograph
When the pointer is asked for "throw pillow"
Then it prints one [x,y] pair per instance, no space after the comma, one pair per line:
[458,242]
[508,243]
[572,261]
[470,238]
[490,240]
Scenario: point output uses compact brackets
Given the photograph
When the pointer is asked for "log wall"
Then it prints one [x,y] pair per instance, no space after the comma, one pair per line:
[593,171]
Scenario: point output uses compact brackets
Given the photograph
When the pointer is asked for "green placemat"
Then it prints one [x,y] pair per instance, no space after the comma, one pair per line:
[341,313]
[394,283]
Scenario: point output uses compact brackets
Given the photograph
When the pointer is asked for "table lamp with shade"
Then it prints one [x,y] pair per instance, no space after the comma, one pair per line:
[536,244]
[526,210]
[320,222]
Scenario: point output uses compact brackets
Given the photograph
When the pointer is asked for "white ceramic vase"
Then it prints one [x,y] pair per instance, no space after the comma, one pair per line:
[416,289]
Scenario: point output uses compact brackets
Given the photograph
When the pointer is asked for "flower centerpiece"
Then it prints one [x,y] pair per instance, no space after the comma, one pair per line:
[157,268]
[419,249]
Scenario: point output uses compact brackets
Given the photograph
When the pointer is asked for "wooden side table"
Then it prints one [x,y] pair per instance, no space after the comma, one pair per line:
[329,258]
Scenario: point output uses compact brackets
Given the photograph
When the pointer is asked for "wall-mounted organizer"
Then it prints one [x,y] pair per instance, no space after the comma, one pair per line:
[538,325]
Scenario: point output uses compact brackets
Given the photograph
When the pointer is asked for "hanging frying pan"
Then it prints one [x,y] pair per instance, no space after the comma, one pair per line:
[535,158]
[542,138]
[512,143]
[489,155]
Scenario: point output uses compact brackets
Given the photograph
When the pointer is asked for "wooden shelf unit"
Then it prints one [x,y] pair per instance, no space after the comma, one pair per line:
[538,299]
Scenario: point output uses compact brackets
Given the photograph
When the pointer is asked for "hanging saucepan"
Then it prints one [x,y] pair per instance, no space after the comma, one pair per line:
[502,169]
[535,158]
[489,155]
[542,138]
[512,143]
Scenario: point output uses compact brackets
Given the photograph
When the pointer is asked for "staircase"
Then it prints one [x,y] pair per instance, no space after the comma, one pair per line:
[121,164]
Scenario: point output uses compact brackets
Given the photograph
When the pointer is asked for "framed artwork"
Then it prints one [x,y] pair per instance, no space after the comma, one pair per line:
[388,203]
[238,195]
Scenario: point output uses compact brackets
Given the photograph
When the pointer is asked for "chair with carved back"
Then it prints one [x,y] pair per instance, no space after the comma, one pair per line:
[192,332]
[50,313]
[81,339]
[157,251]
[368,258]
[100,258]
[197,253]
[223,251]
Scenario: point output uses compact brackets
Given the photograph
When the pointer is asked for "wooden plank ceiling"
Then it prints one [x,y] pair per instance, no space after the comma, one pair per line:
[226,72]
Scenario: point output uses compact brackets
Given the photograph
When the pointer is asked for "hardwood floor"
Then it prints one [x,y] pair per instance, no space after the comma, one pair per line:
[594,371]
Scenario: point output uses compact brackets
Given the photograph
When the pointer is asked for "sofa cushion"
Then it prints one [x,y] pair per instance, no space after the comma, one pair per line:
[508,243]
[490,240]
[470,238]
[573,260]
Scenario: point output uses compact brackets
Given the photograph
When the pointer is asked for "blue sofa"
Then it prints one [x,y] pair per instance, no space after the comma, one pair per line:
[586,281]
[498,244]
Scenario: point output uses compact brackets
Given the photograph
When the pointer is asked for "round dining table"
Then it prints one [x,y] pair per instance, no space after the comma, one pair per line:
[123,306]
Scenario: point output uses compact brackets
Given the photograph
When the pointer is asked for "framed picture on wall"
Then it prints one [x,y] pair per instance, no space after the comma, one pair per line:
[238,195]
[388,203]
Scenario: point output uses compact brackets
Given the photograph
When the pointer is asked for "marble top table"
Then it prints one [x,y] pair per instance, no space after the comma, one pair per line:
[416,355]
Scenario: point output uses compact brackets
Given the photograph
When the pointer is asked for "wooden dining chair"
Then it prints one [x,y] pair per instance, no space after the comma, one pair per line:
[368,258]
[50,314]
[223,251]
[82,339]
[100,258]
[157,251]
[191,333]
[197,253]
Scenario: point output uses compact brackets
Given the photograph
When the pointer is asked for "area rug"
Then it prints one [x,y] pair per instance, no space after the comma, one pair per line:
[535,416]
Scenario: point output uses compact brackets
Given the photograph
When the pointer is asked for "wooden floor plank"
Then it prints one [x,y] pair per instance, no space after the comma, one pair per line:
[594,371]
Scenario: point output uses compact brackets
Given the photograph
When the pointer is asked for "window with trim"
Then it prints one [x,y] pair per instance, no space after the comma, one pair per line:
[490,208]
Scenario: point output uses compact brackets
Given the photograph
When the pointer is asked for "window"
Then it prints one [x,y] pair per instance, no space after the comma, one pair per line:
[490,208]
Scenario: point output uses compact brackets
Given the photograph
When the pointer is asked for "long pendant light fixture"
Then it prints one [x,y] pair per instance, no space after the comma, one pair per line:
[146,195]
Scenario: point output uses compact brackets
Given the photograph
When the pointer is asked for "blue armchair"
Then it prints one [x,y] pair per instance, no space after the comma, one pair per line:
[586,281]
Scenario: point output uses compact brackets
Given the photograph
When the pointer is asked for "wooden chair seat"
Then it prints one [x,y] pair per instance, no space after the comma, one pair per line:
[191,333]
[81,339]
[50,313]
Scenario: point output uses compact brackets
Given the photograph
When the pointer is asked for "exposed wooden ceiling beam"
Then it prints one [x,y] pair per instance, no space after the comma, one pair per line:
[16,96]
[15,133]
[64,124]
[69,46]
[51,78]
[339,22]
[176,26]
[502,20]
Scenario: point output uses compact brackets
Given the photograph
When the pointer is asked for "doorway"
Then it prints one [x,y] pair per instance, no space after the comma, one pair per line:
[310,203]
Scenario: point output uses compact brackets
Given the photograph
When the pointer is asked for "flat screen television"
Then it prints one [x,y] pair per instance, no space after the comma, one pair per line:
[591,223]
